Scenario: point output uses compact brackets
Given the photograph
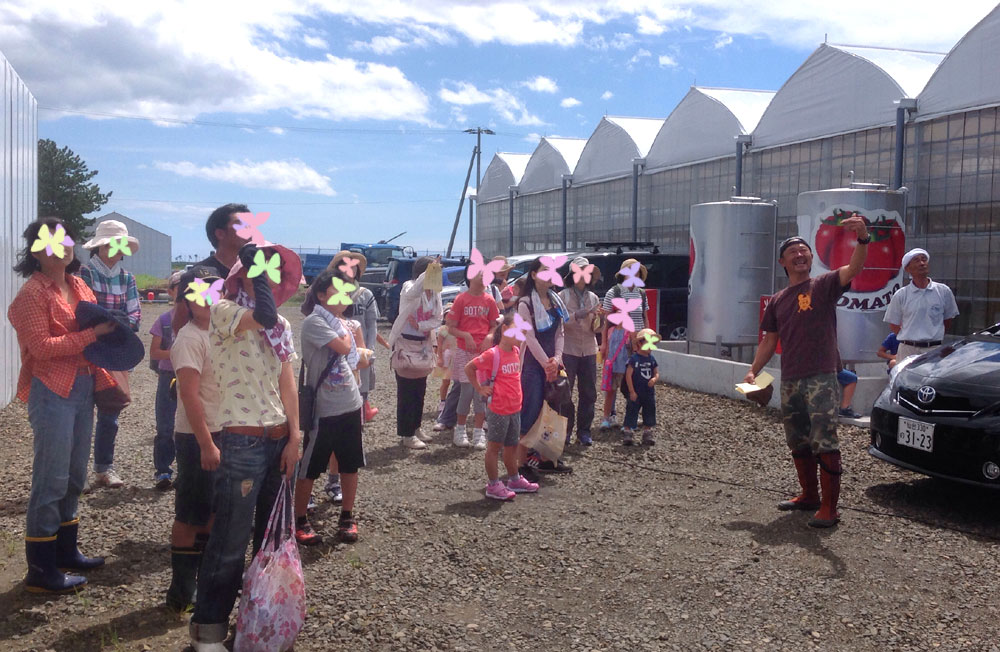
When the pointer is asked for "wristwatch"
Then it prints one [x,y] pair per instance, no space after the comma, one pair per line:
[865,240]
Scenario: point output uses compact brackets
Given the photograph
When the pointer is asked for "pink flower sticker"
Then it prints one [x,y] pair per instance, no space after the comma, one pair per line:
[584,273]
[248,226]
[621,315]
[549,271]
[478,266]
[347,266]
[519,328]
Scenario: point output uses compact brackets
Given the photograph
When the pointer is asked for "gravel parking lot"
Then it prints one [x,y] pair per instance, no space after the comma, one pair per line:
[675,547]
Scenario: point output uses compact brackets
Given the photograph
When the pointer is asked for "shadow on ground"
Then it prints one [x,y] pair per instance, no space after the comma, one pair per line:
[791,529]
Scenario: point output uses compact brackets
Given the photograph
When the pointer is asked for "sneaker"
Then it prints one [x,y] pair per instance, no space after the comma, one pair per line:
[848,413]
[479,439]
[627,437]
[334,492]
[305,534]
[311,506]
[413,442]
[438,427]
[497,491]
[108,479]
[519,485]
[440,407]
[163,481]
[419,434]
[584,439]
[528,473]
[554,467]
[647,438]
[347,530]
[605,424]
[461,438]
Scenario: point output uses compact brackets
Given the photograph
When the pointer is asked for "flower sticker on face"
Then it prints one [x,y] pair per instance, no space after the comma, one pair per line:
[651,340]
[584,273]
[621,316]
[248,225]
[54,243]
[214,293]
[631,280]
[519,328]
[196,290]
[118,245]
[479,266]
[550,265]
[342,293]
[261,265]
[347,266]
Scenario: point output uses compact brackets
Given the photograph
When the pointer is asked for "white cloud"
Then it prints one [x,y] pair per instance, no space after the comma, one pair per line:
[722,41]
[646,25]
[640,54]
[533,137]
[315,42]
[272,175]
[607,95]
[502,101]
[569,102]
[667,61]
[541,84]
[380,45]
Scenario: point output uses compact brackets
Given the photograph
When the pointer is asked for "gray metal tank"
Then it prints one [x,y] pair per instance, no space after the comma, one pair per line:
[860,329]
[732,266]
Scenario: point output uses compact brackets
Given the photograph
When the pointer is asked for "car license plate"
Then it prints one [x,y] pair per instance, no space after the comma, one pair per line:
[915,434]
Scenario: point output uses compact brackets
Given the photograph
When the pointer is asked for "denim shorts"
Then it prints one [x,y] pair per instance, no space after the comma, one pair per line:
[194,485]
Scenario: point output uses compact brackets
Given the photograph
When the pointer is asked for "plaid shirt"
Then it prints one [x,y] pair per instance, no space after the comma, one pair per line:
[51,346]
[114,290]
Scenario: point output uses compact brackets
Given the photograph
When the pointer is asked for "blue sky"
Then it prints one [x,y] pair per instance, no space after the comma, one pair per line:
[373,95]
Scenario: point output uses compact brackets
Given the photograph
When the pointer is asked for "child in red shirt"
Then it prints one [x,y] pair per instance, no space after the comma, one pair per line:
[500,368]
[471,318]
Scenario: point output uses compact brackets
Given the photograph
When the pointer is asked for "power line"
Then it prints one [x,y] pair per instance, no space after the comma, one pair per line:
[278,203]
[249,125]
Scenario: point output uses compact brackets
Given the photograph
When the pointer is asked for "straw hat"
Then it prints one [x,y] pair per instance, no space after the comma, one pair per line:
[291,273]
[632,261]
[341,255]
[107,231]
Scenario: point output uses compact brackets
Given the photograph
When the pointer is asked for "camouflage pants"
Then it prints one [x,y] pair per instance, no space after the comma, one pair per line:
[809,412]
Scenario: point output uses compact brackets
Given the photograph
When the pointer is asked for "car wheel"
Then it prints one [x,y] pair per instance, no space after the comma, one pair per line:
[676,332]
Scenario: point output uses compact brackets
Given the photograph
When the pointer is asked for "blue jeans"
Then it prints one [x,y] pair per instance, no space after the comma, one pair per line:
[104,440]
[449,415]
[163,442]
[246,485]
[62,429]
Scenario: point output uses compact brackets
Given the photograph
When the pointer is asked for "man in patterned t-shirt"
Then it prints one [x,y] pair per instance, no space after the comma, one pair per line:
[803,316]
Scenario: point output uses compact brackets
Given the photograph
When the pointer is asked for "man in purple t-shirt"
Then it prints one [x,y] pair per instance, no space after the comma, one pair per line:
[803,317]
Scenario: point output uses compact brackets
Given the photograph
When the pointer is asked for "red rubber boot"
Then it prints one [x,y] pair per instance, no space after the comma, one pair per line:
[805,465]
[369,412]
[829,477]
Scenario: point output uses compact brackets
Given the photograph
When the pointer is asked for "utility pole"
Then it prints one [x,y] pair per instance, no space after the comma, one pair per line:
[479,131]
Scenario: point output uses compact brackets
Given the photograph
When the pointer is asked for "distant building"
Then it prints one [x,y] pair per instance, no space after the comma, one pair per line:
[154,253]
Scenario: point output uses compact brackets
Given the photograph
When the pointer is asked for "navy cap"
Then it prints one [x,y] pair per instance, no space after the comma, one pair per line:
[788,242]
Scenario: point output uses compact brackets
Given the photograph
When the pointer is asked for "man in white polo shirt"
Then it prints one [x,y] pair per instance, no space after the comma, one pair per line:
[920,312]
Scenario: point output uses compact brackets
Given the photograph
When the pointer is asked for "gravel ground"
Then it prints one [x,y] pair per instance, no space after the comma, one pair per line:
[675,547]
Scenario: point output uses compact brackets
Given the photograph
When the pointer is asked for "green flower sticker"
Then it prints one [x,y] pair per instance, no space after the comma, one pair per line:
[261,266]
[342,296]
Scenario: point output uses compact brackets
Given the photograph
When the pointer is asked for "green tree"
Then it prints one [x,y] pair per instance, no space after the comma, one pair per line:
[63,188]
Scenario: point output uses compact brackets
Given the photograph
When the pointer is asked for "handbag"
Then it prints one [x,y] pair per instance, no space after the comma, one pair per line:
[548,434]
[557,392]
[117,398]
[273,604]
[607,372]
[412,358]
[307,394]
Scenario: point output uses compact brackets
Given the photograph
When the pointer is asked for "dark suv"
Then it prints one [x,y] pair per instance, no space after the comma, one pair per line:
[667,273]
[400,271]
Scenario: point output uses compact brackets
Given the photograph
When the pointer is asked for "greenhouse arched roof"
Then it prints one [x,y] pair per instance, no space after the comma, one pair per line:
[840,89]
[705,124]
[969,76]
[553,158]
[615,142]
[505,170]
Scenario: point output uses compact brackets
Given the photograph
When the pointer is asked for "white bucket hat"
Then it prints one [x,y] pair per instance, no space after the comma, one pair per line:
[107,231]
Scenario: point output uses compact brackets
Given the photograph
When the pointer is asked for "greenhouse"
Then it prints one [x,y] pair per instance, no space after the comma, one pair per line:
[832,122]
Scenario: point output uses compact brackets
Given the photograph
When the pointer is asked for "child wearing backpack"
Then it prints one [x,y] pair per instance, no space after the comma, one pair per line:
[500,367]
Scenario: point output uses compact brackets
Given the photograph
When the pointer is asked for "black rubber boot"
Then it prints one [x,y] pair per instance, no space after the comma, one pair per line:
[43,574]
[68,555]
[184,563]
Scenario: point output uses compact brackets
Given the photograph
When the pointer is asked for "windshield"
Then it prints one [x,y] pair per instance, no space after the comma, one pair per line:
[381,256]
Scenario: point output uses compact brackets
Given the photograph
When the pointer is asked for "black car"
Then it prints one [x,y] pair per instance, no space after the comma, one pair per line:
[667,273]
[940,413]
[400,271]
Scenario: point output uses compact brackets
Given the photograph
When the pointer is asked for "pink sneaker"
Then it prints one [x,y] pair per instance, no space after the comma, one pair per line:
[520,485]
[498,491]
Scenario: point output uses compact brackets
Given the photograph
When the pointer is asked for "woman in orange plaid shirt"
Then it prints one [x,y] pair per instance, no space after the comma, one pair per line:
[58,385]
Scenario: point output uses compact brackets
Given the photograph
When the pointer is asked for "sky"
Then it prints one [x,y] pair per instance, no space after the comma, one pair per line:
[344,120]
